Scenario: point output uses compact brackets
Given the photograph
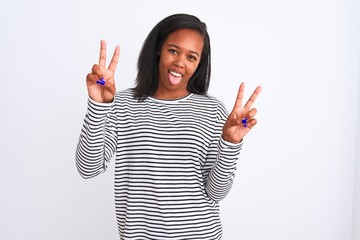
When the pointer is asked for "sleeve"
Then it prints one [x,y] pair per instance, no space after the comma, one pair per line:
[220,162]
[97,141]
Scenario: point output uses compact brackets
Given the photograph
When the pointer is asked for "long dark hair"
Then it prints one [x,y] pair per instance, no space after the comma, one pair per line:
[148,61]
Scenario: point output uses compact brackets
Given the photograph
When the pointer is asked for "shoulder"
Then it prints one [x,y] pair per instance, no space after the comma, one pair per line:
[125,96]
[124,99]
[208,100]
[209,104]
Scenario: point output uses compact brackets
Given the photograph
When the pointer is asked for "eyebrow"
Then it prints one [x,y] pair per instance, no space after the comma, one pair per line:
[176,46]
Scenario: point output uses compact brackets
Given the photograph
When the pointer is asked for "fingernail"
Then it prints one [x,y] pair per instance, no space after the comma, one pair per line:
[101,81]
[244,122]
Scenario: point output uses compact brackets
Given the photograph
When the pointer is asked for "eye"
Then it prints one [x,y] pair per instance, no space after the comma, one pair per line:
[172,51]
[192,58]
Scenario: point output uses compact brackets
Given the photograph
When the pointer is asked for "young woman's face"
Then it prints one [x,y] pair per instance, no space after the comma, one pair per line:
[179,57]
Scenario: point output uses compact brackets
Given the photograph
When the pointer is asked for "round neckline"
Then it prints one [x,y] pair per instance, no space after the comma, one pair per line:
[171,101]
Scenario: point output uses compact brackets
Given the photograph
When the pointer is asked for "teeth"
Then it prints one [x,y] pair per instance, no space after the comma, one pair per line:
[175,74]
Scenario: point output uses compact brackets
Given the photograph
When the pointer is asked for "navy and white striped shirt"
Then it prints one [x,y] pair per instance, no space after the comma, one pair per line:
[172,167]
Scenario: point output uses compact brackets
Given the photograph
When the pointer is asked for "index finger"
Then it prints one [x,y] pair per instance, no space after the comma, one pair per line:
[102,57]
[253,97]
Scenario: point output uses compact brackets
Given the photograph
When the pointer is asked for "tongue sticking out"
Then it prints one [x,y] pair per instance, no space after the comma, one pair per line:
[173,79]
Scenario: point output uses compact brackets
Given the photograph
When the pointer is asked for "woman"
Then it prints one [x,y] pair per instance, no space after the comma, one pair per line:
[176,146]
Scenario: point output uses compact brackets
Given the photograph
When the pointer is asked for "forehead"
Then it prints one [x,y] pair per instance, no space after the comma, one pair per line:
[186,39]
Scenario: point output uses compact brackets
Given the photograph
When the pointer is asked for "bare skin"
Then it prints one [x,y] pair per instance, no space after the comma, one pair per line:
[233,131]
[180,53]
[103,93]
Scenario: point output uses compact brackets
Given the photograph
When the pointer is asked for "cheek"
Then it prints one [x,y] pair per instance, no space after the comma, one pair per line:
[193,68]
[161,67]
[163,64]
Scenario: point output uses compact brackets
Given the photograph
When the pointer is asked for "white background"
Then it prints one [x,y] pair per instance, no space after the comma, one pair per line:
[298,176]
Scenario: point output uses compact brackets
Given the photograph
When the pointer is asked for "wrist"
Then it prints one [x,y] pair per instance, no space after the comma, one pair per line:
[231,139]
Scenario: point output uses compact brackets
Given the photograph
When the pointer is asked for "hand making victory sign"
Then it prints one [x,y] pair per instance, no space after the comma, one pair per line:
[241,119]
[100,82]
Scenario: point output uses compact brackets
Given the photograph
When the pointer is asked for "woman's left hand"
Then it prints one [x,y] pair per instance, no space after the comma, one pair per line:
[236,127]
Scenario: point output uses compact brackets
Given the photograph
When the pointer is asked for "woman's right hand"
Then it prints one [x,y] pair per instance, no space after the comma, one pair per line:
[103,93]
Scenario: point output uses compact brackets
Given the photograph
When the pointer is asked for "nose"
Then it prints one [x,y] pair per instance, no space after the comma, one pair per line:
[179,62]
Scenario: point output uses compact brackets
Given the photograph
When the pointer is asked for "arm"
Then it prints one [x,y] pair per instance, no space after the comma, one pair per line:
[220,166]
[97,141]
[227,142]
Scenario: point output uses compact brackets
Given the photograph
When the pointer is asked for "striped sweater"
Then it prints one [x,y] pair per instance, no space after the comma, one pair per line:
[171,167]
